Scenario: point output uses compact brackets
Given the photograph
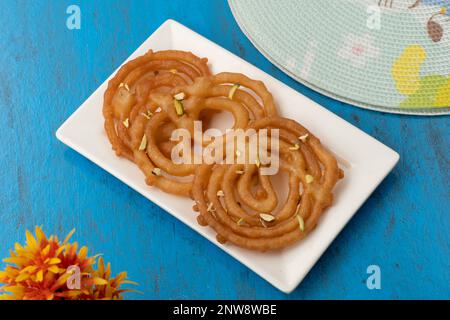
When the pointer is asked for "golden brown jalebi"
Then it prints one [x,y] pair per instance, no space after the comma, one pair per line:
[205,94]
[127,93]
[222,92]
[155,94]
[226,203]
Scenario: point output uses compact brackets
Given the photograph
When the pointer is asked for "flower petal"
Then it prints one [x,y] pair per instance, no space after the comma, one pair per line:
[54,269]
[54,261]
[99,281]
[29,269]
[22,277]
[31,241]
[46,250]
[40,276]
[68,236]
[16,260]
[40,235]
[83,253]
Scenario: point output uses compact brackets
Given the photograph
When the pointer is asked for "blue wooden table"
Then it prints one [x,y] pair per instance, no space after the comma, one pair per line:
[47,71]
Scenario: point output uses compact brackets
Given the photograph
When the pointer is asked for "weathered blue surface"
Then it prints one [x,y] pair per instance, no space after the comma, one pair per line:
[47,71]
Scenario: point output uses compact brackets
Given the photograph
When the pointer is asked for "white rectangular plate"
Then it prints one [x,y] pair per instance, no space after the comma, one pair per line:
[366,161]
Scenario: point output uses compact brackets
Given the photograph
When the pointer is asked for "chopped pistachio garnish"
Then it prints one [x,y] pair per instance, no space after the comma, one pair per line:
[233,91]
[240,222]
[156,172]
[174,71]
[158,110]
[124,85]
[126,123]
[304,138]
[143,144]
[295,147]
[210,207]
[178,107]
[258,162]
[147,114]
[267,217]
[220,193]
[301,223]
[240,172]
[309,178]
[179,96]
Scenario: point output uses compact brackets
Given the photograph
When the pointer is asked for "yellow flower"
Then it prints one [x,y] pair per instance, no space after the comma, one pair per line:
[39,270]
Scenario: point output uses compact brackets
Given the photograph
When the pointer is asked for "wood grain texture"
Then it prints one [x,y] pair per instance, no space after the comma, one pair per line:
[47,71]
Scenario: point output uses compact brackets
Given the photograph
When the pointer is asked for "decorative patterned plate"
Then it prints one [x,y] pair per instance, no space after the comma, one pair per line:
[387,55]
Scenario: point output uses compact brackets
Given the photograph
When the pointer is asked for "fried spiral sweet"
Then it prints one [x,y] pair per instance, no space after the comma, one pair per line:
[249,219]
[153,95]
[206,94]
[127,93]
[128,110]
[221,92]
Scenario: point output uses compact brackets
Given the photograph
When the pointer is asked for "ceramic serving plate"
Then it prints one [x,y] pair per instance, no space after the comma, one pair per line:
[366,161]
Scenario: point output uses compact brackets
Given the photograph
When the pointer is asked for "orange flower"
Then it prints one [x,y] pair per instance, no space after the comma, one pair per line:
[40,270]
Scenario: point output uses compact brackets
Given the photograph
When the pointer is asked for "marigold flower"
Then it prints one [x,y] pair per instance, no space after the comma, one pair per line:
[40,270]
